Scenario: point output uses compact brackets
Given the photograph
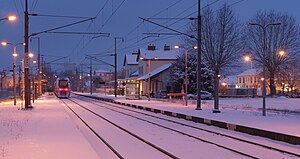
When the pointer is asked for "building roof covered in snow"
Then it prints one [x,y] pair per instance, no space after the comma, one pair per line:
[166,53]
[250,72]
[130,59]
[155,72]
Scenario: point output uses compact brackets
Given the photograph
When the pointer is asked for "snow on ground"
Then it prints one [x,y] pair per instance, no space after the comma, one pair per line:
[47,131]
[43,132]
[242,111]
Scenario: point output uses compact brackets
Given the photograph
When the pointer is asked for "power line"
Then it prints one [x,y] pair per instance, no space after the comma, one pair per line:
[119,6]
[15,4]
[188,16]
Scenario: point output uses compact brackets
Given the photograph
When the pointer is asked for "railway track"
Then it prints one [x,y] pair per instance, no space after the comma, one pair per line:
[152,145]
[289,153]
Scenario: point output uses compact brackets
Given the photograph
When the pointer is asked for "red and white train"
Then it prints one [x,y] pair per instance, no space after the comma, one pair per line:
[62,87]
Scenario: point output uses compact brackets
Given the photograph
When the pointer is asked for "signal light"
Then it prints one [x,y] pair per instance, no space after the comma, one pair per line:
[66,89]
[59,89]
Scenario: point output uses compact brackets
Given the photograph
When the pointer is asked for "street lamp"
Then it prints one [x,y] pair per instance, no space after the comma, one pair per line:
[281,53]
[14,65]
[247,58]
[186,81]
[264,27]
[9,18]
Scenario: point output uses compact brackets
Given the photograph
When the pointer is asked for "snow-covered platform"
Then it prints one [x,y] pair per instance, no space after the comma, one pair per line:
[239,114]
[46,131]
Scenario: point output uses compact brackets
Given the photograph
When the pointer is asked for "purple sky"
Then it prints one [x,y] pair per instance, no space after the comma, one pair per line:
[123,23]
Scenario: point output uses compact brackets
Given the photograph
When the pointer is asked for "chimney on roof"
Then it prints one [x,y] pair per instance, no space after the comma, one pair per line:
[167,47]
[151,47]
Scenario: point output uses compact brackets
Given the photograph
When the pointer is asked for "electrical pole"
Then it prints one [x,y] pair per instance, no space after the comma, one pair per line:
[26,60]
[116,74]
[91,77]
[199,85]
[39,69]
[14,75]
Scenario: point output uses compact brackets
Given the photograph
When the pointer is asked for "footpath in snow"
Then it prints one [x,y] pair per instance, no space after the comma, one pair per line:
[45,132]
[239,111]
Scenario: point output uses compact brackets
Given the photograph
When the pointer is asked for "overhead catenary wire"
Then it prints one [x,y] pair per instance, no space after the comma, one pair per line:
[239,1]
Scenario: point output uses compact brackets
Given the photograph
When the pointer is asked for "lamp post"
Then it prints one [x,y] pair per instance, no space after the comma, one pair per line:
[39,86]
[264,27]
[14,66]
[186,82]
[247,58]
[9,18]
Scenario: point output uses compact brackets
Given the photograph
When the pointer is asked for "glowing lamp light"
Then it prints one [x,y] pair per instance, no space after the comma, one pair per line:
[176,46]
[4,43]
[224,84]
[155,58]
[262,79]
[66,89]
[33,61]
[11,18]
[281,53]
[30,55]
[59,89]
[247,58]
[15,55]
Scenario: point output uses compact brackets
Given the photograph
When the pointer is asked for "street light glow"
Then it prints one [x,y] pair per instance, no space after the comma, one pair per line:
[247,58]
[176,46]
[281,52]
[15,55]
[30,55]
[4,43]
[11,18]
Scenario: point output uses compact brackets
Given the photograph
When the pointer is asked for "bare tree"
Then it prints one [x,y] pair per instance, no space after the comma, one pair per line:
[220,43]
[284,37]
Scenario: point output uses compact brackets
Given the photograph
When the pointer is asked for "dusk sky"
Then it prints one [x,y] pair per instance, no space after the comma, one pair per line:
[117,17]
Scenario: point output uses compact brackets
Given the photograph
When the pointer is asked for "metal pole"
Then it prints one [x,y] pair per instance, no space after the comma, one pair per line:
[199,85]
[186,78]
[33,87]
[115,85]
[91,77]
[23,80]
[149,85]
[26,61]
[20,79]
[264,72]
[81,73]
[14,75]
[264,61]
[39,70]
[116,74]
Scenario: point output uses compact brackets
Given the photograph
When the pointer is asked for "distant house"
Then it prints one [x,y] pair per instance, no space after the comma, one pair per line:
[229,81]
[131,65]
[155,62]
[251,78]
[138,66]
[104,75]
